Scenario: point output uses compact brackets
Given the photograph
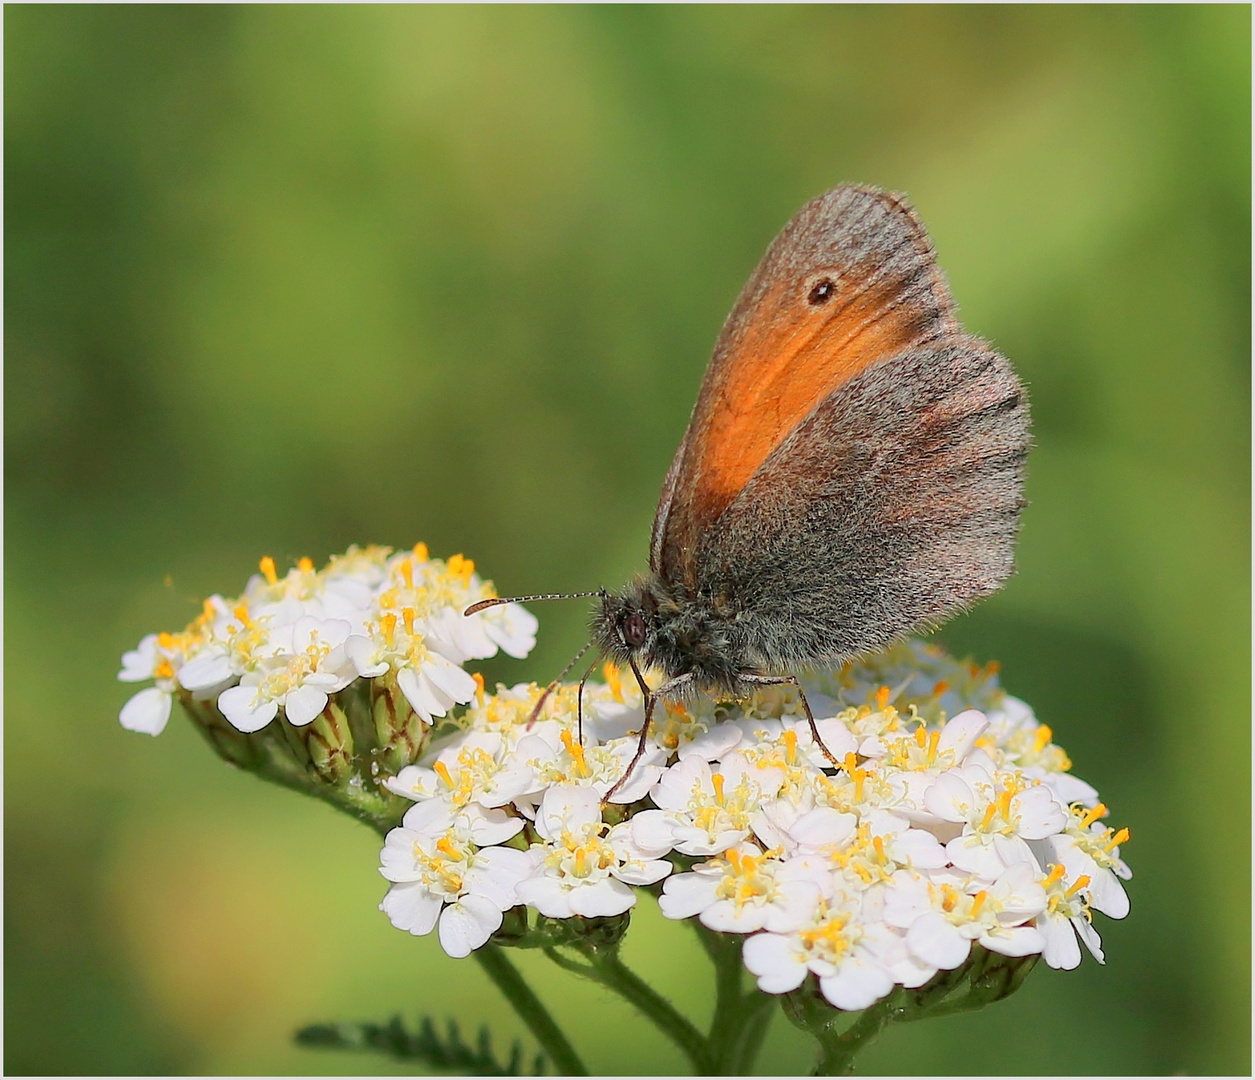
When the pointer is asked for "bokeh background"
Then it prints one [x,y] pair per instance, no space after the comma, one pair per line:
[280,279]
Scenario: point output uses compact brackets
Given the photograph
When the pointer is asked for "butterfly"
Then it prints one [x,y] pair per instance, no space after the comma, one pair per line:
[852,472]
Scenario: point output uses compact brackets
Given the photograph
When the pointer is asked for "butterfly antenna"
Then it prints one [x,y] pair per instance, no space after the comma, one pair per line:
[494,601]
[540,702]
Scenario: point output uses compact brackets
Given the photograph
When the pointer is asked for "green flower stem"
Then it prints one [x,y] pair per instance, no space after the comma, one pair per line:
[740,1020]
[837,1049]
[604,967]
[727,1026]
[530,1010]
[760,1011]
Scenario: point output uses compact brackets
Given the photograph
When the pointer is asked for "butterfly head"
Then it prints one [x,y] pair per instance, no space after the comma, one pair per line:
[625,624]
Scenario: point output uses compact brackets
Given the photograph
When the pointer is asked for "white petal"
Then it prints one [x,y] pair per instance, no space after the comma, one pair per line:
[936,942]
[205,670]
[419,694]
[410,906]
[860,982]
[237,705]
[492,826]
[684,895]
[1018,941]
[652,832]
[146,712]
[778,966]
[303,705]
[961,732]
[824,827]
[567,807]
[949,797]
[547,895]
[647,873]
[1061,949]
[1090,936]
[466,925]
[606,897]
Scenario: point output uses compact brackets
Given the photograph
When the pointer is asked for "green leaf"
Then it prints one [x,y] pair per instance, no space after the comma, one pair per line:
[448,1053]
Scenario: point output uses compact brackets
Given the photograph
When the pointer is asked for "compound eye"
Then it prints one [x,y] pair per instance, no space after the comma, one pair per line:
[633,630]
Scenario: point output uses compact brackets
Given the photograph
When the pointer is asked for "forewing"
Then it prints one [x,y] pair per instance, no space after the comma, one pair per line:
[849,281]
[894,505]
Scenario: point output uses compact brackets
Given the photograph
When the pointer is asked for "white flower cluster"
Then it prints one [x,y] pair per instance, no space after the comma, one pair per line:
[935,832]
[290,643]
[951,819]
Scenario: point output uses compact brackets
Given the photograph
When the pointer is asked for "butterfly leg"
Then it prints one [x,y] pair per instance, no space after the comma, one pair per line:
[579,701]
[540,701]
[671,688]
[791,680]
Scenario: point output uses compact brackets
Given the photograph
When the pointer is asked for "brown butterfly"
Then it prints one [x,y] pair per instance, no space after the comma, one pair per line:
[852,471]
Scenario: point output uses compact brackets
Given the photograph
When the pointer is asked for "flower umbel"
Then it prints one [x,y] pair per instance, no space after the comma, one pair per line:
[951,833]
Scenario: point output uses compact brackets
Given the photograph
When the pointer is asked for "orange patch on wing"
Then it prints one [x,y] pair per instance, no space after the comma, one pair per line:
[775,375]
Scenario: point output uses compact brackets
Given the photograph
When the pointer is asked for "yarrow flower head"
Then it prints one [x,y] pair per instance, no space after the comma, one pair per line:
[952,826]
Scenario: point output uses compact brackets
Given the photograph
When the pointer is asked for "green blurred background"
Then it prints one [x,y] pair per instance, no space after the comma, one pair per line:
[283,279]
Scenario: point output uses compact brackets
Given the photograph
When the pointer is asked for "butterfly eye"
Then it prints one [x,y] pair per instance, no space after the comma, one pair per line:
[633,630]
[821,293]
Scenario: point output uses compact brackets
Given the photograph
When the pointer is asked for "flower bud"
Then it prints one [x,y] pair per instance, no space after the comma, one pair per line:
[329,742]
[402,733]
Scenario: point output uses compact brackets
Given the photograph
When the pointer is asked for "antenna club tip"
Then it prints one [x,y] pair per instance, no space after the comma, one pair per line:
[474,609]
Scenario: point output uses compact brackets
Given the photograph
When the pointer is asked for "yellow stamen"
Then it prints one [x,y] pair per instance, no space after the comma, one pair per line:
[443,845]
[734,859]
[978,902]
[267,567]
[859,776]
[921,737]
[407,573]
[408,615]
[790,747]
[1042,738]
[949,897]
[882,698]
[990,810]
[580,869]
[933,738]
[461,567]
[940,688]
[241,613]
[388,623]
[442,770]
[1079,884]
[479,686]
[613,681]
[578,765]
[1056,874]
[1099,811]
[305,565]
[1117,840]
[851,763]
[420,551]
[164,671]
[1004,804]
[716,780]
[878,843]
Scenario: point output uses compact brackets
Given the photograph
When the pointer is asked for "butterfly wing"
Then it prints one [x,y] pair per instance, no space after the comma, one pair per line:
[892,506]
[848,282]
